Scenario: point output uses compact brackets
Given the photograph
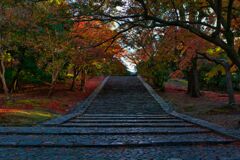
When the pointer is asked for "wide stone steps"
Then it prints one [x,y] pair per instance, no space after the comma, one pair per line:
[140,130]
[125,115]
[125,124]
[97,130]
[126,121]
[110,140]
[125,118]
[122,120]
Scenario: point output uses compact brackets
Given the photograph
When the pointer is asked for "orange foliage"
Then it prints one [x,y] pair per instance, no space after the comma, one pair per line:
[95,37]
[187,46]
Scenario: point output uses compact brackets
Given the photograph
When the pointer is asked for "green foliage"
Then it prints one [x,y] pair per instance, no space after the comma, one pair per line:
[7,57]
[9,74]
[35,78]
[29,70]
[236,80]
[114,67]
[213,77]
[216,83]
[111,67]
[28,77]
[157,73]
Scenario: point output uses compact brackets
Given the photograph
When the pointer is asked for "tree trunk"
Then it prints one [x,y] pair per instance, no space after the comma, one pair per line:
[193,81]
[50,92]
[2,76]
[75,74]
[233,54]
[83,80]
[73,83]
[54,80]
[230,90]
[5,87]
[189,78]
[14,85]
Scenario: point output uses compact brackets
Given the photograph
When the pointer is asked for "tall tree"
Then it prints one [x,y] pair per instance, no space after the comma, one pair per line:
[216,21]
[16,22]
[92,44]
[53,38]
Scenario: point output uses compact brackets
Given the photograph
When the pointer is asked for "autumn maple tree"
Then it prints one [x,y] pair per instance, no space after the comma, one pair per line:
[53,39]
[214,24]
[189,53]
[92,44]
[215,21]
[193,50]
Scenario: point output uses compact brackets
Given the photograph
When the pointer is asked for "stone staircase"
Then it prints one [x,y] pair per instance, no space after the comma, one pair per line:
[122,115]
[116,130]
[141,130]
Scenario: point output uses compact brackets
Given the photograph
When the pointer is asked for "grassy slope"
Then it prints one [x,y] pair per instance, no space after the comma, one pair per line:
[33,107]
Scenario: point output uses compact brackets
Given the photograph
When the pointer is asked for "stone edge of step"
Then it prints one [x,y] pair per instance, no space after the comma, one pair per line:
[168,108]
[66,131]
[70,124]
[116,144]
[125,121]
[80,107]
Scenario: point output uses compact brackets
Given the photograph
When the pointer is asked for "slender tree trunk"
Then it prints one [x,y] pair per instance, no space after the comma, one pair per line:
[14,85]
[5,87]
[50,92]
[73,83]
[189,78]
[75,75]
[83,80]
[54,80]
[193,81]
[230,90]
[2,76]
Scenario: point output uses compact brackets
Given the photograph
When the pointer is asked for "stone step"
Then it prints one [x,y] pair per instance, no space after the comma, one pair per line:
[109,140]
[69,124]
[126,110]
[124,118]
[129,103]
[97,130]
[125,121]
[125,115]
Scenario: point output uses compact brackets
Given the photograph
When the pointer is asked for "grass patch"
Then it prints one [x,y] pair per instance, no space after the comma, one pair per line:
[33,102]
[9,104]
[25,118]
[33,107]
[29,112]
[25,102]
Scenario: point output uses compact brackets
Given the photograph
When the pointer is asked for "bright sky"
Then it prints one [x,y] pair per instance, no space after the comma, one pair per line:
[130,66]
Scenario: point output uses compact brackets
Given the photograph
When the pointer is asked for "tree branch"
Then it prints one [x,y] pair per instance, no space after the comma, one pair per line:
[175,9]
[109,39]
[229,14]
[144,6]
